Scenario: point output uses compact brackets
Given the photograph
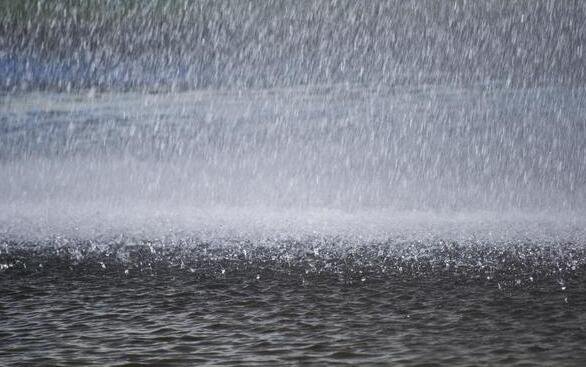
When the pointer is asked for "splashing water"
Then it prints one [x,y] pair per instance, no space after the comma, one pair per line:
[253,171]
[315,166]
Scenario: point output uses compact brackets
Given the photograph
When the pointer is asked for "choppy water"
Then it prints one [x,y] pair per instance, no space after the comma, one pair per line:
[288,305]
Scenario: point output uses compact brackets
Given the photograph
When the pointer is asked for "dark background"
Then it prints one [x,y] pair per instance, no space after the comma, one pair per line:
[261,44]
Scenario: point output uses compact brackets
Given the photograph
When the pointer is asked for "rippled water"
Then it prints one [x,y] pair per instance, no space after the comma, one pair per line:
[175,300]
[257,315]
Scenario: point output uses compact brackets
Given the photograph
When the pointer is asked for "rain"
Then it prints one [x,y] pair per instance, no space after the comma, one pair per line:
[405,154]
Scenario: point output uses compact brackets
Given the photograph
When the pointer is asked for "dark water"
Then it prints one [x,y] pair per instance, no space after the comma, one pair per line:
[387,304]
